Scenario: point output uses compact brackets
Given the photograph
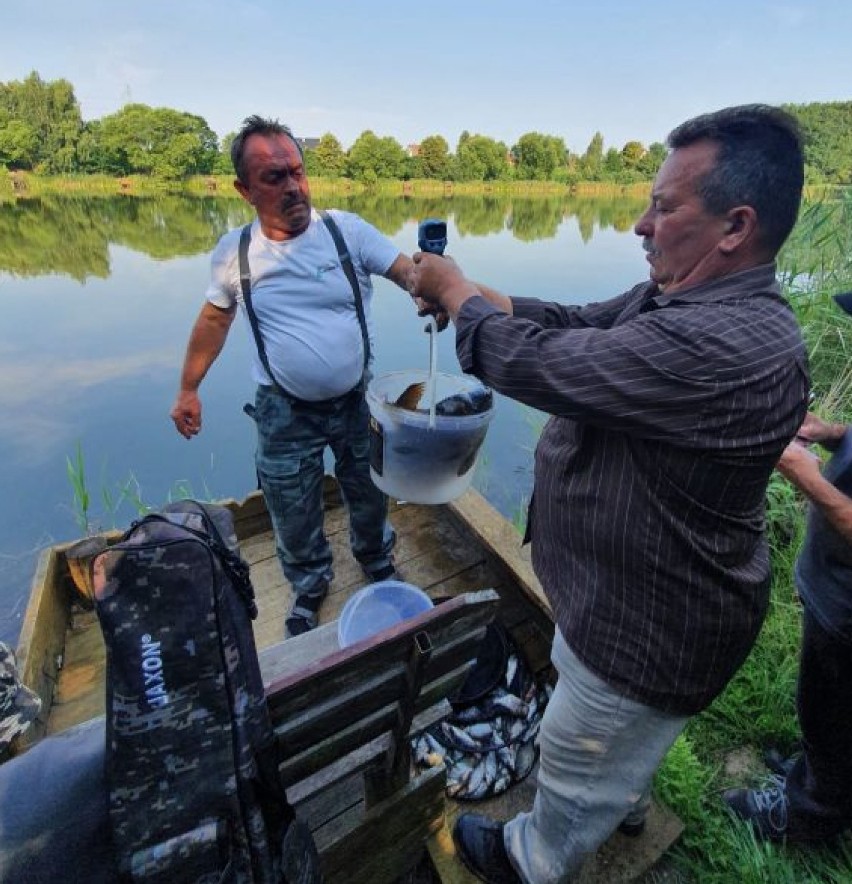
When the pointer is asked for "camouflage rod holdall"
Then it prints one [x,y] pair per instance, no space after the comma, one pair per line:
[192,767]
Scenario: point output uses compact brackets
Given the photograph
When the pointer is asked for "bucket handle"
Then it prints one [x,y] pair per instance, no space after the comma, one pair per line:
[432,330]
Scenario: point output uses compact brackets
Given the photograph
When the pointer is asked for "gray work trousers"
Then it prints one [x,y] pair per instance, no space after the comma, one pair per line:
[292,437]
[599,752]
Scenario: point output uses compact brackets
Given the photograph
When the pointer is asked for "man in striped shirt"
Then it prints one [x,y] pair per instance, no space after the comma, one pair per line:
[670,405]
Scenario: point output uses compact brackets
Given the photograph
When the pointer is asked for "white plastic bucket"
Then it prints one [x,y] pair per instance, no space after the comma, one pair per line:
[413,461]
[377,607]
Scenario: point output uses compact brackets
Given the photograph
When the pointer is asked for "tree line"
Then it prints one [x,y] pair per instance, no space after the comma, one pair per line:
[42,130]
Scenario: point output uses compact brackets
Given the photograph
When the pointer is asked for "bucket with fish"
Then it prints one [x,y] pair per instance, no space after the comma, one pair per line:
[426,430]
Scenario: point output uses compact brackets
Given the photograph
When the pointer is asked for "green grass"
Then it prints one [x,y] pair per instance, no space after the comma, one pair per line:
[29,185]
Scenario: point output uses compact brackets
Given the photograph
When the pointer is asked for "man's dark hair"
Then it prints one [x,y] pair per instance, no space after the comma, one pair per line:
[760,163]
[255,125]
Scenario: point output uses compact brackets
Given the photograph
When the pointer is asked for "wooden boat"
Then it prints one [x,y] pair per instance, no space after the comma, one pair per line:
[448,550]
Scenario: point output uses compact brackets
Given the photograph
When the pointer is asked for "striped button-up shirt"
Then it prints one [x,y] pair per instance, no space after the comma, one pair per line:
[669,414]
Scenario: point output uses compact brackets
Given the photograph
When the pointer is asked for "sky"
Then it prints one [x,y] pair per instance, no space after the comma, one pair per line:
[570,68]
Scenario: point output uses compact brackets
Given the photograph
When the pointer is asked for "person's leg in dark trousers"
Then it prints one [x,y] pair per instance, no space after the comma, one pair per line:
[291,441]
[370,534]
[819,786]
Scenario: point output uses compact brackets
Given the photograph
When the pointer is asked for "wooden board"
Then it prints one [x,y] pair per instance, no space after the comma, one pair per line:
[621,860]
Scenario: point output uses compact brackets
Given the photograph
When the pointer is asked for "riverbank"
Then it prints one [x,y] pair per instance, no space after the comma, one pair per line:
[24,185]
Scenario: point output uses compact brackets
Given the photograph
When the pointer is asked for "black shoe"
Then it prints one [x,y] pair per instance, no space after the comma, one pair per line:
[632,828]
[765,810]
[389,572]
[777,763]
[304,614]
[479,842]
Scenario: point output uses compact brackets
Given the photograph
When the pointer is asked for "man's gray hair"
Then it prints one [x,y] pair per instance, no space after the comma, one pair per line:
[256,125]
[760,163]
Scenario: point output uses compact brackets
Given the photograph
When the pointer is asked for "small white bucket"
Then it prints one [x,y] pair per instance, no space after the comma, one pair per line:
[377,607]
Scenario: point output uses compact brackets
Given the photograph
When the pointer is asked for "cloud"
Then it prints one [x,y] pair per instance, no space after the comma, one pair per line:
[64,380]
[39,402]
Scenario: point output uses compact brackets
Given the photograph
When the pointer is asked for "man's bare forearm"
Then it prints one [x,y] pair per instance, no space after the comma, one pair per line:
[802,468]
[206,340]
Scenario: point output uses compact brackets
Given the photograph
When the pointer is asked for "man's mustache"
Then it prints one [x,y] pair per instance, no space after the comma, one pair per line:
[648,246]
[295,201]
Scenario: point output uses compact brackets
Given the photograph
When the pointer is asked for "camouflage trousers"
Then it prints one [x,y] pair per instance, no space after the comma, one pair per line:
[292,438]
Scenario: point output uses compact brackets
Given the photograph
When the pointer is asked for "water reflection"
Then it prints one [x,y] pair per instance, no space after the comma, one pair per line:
[72,236]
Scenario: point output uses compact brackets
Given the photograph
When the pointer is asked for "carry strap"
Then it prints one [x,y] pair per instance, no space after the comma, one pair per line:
[348,269]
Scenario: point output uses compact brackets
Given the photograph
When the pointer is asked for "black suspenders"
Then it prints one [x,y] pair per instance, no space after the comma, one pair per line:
[348,269]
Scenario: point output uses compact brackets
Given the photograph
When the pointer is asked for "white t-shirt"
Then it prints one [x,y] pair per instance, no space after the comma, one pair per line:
[303,301]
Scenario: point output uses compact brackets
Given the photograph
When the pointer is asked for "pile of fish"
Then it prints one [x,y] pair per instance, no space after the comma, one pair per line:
[492,743]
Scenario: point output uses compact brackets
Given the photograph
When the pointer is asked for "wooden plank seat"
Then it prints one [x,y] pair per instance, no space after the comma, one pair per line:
[344,718]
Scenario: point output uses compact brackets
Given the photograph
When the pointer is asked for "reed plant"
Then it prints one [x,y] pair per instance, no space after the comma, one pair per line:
[75,468]
[120,500]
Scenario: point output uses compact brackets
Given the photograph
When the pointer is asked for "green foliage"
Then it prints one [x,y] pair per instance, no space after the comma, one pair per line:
[480,158]
[72,236]
[539,156]
[329,157]
[434,158]
[653,159]
[828,147]
[815,263]
[156,141]
[591,161]
[222,164]
[80,500]
[532,221]
[18,143]
[121,500]
[41,129]
[372,158]
[48,110]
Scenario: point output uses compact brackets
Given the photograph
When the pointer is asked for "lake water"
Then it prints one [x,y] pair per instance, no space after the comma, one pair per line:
[98,297]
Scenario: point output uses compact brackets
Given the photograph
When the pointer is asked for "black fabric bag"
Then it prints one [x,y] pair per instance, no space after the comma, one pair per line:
[192,767]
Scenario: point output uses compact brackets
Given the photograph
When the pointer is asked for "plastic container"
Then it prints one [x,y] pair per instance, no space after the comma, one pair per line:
[413,461]
[378,606]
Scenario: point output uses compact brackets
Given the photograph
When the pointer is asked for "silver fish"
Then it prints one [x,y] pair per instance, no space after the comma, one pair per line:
[459,737]
[524,760]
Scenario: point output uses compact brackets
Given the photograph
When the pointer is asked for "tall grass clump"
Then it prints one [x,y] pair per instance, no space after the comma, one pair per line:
[120,500]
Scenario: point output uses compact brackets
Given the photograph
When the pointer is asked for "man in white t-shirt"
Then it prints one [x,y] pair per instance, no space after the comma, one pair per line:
[315,352]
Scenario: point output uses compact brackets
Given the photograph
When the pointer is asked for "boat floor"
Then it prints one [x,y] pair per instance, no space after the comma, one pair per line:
[433,552]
